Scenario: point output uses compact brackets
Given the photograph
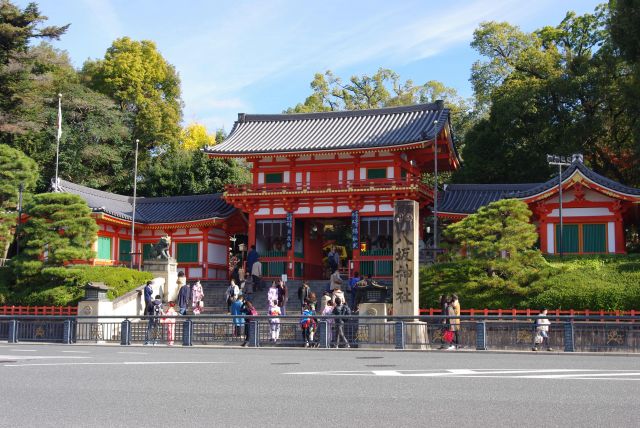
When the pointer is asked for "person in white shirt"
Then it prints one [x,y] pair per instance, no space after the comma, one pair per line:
[542,331]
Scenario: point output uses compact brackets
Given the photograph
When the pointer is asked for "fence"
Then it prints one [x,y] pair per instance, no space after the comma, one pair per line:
[552,314]
[38,310]
[577,333]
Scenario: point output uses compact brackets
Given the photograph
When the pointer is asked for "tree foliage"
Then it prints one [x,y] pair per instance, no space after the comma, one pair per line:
[195,136]
[555,90]
[59,229]
[143,83]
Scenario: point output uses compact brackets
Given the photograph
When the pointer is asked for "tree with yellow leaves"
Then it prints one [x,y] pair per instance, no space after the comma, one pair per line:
[195,137]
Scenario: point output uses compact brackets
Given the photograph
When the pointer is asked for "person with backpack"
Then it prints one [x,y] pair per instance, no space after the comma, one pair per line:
[303,294]
[231,295]
[341,310]
[541,337]
[250,311]
[274,321]
[238,321]
[156,312]
[307,323]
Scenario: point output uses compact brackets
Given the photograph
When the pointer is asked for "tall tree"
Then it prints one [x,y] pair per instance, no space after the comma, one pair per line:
[556,90]
[16,169]
[195,136]
[142,82]
[18,28]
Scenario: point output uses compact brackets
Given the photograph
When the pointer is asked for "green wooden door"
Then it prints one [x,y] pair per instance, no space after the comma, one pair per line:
[104,248]
[594,238]
[570,241]
[125,250]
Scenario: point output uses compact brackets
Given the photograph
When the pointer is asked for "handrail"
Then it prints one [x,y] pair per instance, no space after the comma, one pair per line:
[322,186]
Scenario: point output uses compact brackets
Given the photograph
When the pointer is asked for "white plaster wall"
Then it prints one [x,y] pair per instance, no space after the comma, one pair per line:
[580,212]
[279,211]
[368,209]
[350,175]
[285,177]
[386,207]
[550,239]
[298,177]
[323,210]
[146,233]
[611,237]
[340,176]
[195,273]
[217,253]
[303,210]
[343,209]
[263,211]
[592,195]
[390,171]
[261,178]
[217,232]
[180,232]
[363,173]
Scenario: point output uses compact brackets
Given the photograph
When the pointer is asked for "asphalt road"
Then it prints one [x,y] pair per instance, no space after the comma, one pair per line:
[112,386]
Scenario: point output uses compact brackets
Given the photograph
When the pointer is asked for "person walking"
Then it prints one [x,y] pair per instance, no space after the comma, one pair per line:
[252,257]
[328,310]
[170,322]
[307,323]
[148,297]
[274,321]
[335,280]
[351,291]
[332,259]
[453,312]
[197,298]
[231,295]
[338,294]
[250,311]
[184,298]
[444,303]
[283,296]
[542,331]
[341,311]
[238,321]
[156,312]
[256,275]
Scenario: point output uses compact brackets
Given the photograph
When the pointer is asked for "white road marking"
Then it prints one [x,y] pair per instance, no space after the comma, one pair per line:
[23,350]
[123,363]
[555,374]
[76,352]
[133,353]
[38,357]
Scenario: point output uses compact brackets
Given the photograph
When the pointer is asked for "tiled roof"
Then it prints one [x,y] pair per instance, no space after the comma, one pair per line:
[355,129]
[467,198]
[173,209]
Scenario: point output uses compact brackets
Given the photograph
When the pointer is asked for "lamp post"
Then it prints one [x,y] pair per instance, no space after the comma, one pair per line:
[435,189]
[560,161]
[133,213]
[20,191]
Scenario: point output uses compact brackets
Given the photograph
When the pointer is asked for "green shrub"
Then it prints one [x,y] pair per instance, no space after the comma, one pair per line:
[61,286]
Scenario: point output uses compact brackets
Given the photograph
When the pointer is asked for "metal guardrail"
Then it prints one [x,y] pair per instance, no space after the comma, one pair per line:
[614,334]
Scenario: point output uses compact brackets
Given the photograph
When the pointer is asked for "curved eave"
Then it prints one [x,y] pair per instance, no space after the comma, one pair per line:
[211,221]
[575,177]
[362,150]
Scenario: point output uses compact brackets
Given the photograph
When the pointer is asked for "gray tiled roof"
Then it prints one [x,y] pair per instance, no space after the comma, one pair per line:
[467,198]
[355,129]
[171,209]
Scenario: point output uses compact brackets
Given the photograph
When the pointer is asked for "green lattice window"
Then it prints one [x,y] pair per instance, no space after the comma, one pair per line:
[146,251]
[373,173]
[570,238]
[125,250]
[187,252]
[104,248]
[594,238]
[273,178]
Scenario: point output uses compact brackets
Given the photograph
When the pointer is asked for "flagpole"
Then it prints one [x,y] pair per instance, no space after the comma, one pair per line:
[58,138]
[133,211]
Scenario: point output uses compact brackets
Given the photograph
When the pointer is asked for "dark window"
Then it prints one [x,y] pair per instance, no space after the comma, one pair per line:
[373,173]
[187,252]
[273,178]
[403,173]
[594,238]
[570,238]
[125,250]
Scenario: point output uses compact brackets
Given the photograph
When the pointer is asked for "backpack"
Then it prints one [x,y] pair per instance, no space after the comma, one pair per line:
[157,309]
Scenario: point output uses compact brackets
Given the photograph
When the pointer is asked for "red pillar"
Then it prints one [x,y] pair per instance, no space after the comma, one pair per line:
[620,242]
[205,252]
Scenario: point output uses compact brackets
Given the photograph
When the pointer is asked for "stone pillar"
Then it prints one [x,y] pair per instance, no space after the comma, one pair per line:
[168,270]
[405,258]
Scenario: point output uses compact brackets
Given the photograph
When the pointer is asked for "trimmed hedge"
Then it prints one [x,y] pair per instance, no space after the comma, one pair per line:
[580,282]
[61,286]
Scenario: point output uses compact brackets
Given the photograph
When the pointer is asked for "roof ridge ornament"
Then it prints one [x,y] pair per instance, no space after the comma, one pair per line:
[577,157]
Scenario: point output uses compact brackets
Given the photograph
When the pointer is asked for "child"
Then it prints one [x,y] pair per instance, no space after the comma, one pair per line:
[274,323]
[307,323]
[170,322]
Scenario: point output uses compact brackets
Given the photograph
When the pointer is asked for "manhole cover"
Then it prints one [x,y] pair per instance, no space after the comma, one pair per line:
[369,358]
[380,365]
[284,364]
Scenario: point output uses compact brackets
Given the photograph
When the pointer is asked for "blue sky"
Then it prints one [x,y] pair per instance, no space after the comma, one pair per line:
[260,56]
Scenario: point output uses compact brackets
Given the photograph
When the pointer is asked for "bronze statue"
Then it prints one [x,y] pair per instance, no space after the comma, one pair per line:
[161,249]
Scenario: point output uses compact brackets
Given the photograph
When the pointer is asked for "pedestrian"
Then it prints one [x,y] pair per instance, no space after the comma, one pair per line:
[283,296]
[237,309]
[303,294]
[231,295]
[542,331]
[328,310]
[326,296]
[256,275]
[312,300]
[453,313]
[154,319]
[361,292]
[197,298]
[444,303]
[184,298]
[331,259]
[307,323]
[274,321]
[338,294]
[352,290]
[272,293]
[248,288]
[148,297]
[252,257]
[249,311]
[341,311]
[170,322]
[335,280]
[235,273]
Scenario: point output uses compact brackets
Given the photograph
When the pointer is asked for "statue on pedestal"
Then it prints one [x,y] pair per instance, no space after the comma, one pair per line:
[160,250]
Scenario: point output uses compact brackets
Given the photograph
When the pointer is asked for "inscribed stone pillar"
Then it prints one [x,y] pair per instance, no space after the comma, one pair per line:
[405,258]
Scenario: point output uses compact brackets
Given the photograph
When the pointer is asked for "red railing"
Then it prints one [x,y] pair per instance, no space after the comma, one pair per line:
[38,310]
[533,312]
[345,185]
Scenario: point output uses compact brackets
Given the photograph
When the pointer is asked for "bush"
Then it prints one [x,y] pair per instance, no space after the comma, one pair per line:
[61,286]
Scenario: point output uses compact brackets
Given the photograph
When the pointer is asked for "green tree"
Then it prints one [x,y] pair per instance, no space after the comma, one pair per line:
[557,89]
[15,169]
[18,28]
[143,83]
[195,136]
[59,229]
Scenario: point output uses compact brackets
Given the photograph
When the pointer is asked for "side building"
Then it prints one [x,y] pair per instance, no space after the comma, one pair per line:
[199,226]
[596,211]
[331,179]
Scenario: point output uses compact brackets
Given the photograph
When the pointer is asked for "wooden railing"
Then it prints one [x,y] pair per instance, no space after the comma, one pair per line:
[38,310]
[534,312]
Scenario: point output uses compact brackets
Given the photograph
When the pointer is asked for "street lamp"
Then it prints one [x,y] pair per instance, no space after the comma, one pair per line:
[133,214]
[435,189]
[560,161]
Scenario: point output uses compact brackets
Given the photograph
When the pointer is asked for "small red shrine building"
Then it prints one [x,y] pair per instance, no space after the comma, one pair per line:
[331,178]
[595,209]
[199,227]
